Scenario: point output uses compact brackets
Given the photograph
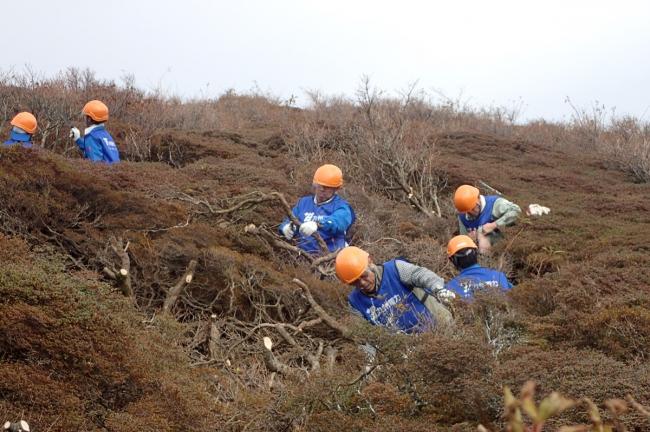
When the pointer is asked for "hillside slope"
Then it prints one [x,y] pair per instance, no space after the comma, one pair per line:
[76,354]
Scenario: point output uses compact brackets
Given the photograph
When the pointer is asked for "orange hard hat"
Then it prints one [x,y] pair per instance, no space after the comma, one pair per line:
[458,243]
[26,121]
[96,110]
[351,262]
[329,175]
[465,198]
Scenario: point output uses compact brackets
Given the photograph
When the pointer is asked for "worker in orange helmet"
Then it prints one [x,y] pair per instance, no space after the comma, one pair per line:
[483,217]
[96,144]
[24,125]
[324,212]
[396,294]
[463,254]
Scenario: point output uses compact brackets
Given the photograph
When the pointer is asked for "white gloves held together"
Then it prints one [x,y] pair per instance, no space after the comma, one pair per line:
[75,134]
[306,229]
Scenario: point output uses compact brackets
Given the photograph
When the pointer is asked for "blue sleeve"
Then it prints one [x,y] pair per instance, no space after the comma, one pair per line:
[92,148]
[452,285]
[338,222]
[504,282]
[81,144]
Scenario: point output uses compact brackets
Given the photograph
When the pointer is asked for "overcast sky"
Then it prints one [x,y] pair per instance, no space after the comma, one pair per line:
[490,52]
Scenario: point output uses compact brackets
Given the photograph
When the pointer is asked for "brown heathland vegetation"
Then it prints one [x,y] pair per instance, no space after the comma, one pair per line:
[183,349]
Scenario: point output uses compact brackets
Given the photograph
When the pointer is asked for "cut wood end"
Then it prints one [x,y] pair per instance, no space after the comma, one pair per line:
[213,316]
[250,227]
[24,426]
[124,272]
[228,362]
[6,425]
[188,279]
[268,343]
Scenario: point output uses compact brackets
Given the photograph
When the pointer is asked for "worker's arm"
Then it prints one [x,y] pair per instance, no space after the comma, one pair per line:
[91,147]
[415,276]
[81,144]
[461,228]
[338,222]
[505,213]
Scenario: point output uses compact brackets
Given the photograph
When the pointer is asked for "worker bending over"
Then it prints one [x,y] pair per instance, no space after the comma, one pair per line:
[396,294]
[483,217]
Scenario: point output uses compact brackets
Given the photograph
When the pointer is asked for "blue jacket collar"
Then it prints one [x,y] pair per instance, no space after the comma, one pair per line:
[472,267]
[22,137]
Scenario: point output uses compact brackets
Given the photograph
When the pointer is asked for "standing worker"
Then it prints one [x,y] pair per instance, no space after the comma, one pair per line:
[23,127]
[96,144]
[483,217]
[462,252]
[324,212]
[395,294]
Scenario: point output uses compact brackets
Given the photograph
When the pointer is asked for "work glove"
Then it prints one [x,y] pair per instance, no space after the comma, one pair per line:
[537,210]
[308,228]
[21,426]
[445,294]
[288,231]
[75,134]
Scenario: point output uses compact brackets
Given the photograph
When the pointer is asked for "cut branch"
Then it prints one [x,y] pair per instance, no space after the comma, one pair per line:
[275,365]
[176,290]
[123,275]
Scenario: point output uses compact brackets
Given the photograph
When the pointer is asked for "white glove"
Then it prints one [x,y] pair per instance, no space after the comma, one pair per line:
[75,134]
[446,294]
[537,210]
[308,228]
[287,230]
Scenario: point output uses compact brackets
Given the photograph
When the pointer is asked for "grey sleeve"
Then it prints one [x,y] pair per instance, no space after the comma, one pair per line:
[461,228]
[505,213]
[416,276]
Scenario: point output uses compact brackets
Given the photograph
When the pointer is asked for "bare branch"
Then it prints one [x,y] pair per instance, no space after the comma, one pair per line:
[250,200]
[175,291]
[316,263]
[327,318]
[123,275]
[275,365]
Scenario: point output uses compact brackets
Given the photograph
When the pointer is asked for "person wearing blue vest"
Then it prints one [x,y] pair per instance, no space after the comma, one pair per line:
[96,144]
[463,253]
[396,294]
[23,127]
[483,217]
[324,212]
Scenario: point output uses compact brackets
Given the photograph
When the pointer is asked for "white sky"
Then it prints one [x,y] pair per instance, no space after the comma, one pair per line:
[490,52]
